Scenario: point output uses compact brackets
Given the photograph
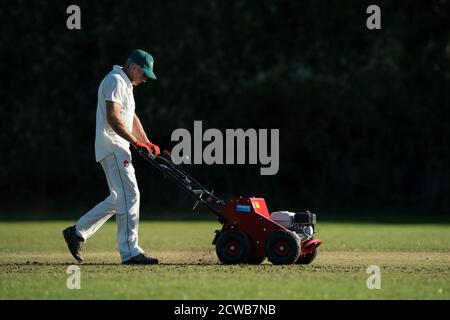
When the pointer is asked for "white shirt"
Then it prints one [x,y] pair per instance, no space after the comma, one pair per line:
[115,87]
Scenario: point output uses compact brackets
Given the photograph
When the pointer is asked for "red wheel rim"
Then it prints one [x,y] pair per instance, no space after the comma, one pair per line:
[281,248]
[232,248]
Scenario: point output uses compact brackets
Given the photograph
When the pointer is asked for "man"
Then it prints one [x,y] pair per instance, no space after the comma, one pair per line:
[118,126]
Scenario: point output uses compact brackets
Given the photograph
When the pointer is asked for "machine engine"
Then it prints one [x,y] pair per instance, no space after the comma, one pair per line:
[302,223]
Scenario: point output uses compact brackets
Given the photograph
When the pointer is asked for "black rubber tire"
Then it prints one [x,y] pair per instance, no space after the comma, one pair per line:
[307,258]
[256,260]
[233,247]
[283,247]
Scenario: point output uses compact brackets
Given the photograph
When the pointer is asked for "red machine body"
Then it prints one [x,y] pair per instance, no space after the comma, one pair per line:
[251,216]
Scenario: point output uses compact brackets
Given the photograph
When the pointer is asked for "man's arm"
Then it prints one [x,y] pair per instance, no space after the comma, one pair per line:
[138,130]
[116,122]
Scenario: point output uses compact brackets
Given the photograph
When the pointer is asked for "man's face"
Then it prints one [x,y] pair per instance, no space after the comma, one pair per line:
[137,75]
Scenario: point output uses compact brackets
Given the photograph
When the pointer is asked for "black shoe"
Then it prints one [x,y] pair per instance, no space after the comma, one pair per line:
[74,242]
[141,259]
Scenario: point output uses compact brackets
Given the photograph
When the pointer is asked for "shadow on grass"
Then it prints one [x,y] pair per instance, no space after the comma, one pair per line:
[111,264]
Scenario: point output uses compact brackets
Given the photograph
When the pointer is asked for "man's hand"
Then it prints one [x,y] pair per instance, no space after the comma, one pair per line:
[142,146]
[153,147]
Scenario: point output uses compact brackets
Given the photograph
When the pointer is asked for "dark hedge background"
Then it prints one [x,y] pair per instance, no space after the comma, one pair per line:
[363,115]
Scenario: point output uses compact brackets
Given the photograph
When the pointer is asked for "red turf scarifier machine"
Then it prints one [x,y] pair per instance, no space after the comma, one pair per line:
[249,232]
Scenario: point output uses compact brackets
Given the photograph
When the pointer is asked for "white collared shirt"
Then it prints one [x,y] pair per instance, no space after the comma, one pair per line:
[116,87]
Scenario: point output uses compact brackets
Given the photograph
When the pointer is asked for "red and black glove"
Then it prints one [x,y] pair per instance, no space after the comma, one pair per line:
[153,147]
[142,147]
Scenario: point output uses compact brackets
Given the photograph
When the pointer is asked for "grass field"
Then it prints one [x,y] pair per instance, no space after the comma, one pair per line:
[414,261]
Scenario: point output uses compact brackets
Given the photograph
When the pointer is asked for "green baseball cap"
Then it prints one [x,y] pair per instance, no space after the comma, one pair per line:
[145,61]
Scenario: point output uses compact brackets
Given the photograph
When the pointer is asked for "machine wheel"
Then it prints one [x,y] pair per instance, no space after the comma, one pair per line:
[307,258]
[256,260]
[283,247]
[233,247]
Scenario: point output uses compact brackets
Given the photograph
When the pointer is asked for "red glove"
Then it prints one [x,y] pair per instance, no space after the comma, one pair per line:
[142,146]
[153,147]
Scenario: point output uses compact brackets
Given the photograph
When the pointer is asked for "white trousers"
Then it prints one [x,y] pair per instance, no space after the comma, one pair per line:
[123,202]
